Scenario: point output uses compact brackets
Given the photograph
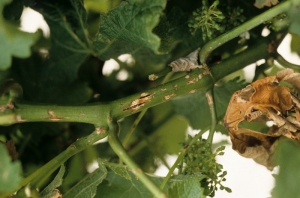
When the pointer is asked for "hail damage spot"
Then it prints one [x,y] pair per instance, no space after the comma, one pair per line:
[168,97]
[52,116]
[138,103]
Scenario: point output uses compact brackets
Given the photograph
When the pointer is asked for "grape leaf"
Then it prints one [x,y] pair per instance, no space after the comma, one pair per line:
[117,168]
[67,22]
[288,178]
[294,14]
[168,137]
[71,93]
[13,10]
[128,28]
[14,42]
[87,187]
[295,44]
[117,186]
[195,109]
[70,47]
[57,181]
[10,172]
[189,187]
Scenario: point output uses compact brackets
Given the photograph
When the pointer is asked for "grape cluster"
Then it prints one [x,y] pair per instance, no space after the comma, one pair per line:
[199,158]
[234,17]
[213,21]
[208,19]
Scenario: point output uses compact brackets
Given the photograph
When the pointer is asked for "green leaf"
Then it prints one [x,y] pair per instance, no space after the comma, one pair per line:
[188,187]
[117,186]
[295,44]
[87,187]
[117,168]
[10,172]
[195,109]
[288,178]
[57,181]
[14,42]
[13,10]
[54,80]
[294,14]
[128,28]
[40,89]
[168,137]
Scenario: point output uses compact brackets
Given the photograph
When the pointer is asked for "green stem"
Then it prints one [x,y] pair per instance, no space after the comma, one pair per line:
[22,112]
[133,126]
[282,61]
[116,145]
[143,143]
[211,104]
[141,115]
[180,158]
[73,149]
[97,112]
[259,19]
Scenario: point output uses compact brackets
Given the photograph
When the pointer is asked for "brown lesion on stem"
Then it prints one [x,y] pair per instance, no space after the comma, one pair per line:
[52,116]
[138,103]
[100,130]
[168,97]
[10,105]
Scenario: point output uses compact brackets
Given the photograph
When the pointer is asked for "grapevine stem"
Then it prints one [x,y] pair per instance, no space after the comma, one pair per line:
[141,115]
[116,145]
[179,159]
[259,19]
[282,61]
[73,149]
[211,104]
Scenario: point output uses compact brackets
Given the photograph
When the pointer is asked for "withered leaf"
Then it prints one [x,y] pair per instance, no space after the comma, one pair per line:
[264,100]
[262,3]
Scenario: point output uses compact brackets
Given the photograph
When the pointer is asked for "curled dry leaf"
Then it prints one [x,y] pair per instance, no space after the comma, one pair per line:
[187,63]
[261,101]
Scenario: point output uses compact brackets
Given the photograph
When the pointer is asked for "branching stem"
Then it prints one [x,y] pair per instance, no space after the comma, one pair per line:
[116,145]
[211,104]
[259,19]
[282,61]
[73,149]
[179,159]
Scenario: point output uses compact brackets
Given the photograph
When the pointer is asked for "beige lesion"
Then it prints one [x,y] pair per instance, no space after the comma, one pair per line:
[168,97]
[139,102]
[53,116]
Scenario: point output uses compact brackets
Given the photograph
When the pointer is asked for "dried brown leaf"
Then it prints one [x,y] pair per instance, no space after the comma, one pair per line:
[264,100]
[261,3]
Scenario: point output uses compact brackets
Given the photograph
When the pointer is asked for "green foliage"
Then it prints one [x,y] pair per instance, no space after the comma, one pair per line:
[64,84]
[294,15]
[287,157]
[14,42]
[115,185]
[118,169]
[295,44]
[194,107]
[49,191]
[10,172]
[87,187]
[186,187]
[129,25]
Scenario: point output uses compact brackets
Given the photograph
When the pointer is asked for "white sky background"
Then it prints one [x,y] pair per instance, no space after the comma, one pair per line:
[246,178]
